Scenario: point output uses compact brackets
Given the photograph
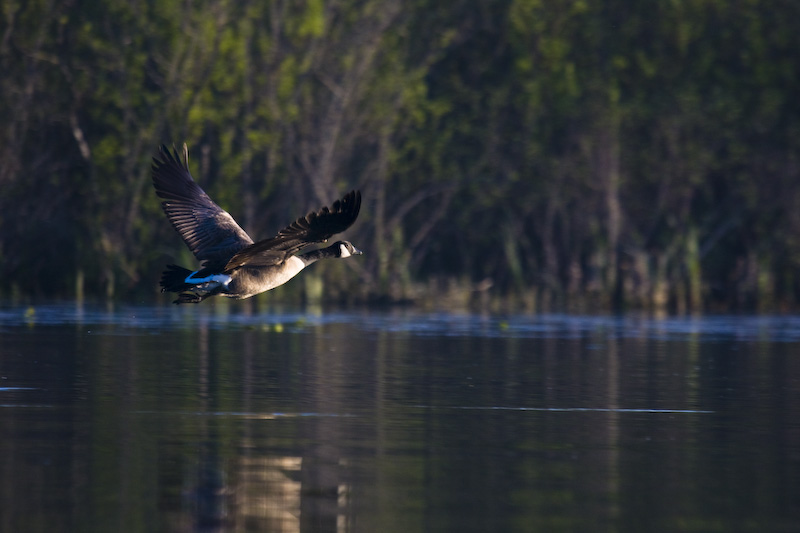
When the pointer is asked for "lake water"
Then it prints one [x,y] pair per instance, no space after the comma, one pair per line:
[206,418]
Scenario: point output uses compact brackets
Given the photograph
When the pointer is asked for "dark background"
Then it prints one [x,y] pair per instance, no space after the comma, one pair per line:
[542,154]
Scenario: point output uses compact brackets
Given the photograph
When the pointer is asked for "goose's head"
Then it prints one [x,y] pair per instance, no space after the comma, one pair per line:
[345,249]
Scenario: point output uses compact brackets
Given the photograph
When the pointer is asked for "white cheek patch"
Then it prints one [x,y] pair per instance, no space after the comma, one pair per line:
[345,252]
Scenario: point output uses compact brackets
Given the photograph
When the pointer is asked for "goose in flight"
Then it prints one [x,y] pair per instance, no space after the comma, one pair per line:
[231,264]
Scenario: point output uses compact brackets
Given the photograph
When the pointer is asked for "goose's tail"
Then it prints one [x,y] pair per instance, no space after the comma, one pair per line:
[173,279]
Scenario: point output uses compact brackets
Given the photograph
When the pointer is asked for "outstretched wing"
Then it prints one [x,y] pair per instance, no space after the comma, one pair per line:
[209,231]
[315,227]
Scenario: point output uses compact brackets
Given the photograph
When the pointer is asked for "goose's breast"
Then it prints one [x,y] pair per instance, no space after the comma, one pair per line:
[248,281]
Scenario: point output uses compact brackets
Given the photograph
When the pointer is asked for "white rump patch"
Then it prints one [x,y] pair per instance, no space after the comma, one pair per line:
[220,279]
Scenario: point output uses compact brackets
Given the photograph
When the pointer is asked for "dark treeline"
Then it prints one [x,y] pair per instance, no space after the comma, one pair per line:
[537,152]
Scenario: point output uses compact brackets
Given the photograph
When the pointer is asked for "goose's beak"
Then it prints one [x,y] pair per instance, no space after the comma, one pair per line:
[356,251]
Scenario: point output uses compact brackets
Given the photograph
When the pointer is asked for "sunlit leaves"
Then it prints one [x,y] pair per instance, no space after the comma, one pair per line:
[532,123]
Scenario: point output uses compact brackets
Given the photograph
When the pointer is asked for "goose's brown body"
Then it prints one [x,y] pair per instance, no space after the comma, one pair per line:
[231,264]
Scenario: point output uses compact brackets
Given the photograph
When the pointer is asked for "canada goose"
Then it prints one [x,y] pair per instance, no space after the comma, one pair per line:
[231,264]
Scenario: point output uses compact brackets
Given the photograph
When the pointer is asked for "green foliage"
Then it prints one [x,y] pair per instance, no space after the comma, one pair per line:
[605,152]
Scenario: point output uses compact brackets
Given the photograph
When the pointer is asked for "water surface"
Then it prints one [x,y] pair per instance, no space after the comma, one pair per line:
[207,419]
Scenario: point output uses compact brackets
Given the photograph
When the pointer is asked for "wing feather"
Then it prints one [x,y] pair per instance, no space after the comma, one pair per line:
[209,231]
[317,226]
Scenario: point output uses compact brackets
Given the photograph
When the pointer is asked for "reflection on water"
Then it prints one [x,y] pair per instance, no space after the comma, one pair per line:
[204,419]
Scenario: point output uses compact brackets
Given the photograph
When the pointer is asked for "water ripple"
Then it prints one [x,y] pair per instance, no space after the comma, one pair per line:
[127,319]
[568,409]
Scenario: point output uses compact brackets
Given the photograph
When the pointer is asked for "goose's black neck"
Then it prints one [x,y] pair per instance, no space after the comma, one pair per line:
[322,253]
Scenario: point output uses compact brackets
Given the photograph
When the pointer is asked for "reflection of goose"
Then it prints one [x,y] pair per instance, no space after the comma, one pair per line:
[231,264]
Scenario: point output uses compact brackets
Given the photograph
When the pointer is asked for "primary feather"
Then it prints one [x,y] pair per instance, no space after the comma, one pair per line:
[315,227]
[209,231]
